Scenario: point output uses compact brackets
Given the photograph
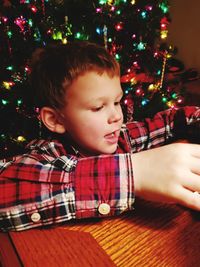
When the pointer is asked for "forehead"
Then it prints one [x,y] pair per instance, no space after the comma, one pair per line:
[92,85]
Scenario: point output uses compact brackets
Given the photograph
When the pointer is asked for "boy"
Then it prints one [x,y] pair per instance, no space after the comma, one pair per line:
[89,168]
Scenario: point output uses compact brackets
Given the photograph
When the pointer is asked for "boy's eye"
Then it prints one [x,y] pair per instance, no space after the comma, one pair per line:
[97,108]
[117,103]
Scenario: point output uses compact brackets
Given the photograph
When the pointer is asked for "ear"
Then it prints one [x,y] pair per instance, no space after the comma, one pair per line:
[52,120]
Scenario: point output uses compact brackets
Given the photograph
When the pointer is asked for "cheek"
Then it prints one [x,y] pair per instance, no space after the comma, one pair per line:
[93,125]
[86,124]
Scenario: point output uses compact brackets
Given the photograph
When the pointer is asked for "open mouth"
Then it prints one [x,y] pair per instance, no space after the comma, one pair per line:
[112,137]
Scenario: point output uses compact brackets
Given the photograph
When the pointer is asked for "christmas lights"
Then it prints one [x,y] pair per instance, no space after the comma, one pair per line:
[133,31]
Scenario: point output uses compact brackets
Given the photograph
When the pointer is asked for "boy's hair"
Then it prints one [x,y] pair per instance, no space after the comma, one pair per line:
[54,68]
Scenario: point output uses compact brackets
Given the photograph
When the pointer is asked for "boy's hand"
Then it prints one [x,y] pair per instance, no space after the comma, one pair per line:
[169,174]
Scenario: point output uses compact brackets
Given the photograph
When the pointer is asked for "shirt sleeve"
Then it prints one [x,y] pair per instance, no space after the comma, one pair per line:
[166,126]
[37,192]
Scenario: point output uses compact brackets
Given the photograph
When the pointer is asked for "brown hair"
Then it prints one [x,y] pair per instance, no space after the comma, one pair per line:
[54,68]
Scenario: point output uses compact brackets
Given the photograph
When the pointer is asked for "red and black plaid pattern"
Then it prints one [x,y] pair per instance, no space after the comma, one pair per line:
[60,186]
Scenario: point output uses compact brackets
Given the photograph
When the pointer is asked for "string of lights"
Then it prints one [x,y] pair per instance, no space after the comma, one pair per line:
[134,31]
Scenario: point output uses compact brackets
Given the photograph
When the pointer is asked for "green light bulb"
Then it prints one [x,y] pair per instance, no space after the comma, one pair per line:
[9,68]
[9,33]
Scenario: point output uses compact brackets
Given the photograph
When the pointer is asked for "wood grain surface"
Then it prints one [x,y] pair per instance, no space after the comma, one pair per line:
[152,235]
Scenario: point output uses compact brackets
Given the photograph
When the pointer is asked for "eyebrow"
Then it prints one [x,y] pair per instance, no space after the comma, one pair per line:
[103,98]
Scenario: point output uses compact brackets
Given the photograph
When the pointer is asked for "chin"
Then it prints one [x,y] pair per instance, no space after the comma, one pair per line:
[101,150]
[110,150]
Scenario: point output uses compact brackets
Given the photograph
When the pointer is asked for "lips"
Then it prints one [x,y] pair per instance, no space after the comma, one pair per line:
[112,137]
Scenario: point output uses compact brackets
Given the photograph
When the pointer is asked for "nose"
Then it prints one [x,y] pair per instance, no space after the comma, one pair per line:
[115,114]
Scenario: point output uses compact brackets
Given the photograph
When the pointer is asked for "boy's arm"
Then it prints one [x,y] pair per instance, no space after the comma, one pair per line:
[35,191]
[166,126]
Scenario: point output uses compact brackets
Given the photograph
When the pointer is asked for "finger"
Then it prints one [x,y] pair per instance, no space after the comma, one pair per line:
[188,199]
[195,165]
[192,182]
[195,150]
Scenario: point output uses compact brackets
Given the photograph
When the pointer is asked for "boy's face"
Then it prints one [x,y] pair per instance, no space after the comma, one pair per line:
[93,115]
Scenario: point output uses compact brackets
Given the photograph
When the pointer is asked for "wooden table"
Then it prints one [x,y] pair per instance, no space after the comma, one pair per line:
[152,235]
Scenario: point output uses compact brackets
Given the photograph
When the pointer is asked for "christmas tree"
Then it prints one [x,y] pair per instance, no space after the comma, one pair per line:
[134,31]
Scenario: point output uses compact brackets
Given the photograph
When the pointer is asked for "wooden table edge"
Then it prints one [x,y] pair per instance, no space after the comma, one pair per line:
[8,254]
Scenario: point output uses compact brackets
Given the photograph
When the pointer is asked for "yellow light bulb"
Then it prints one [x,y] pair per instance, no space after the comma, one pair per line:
[21,138]
[151,87]
[110,2]
[170,104]
[6,85]
[163,34]
[64,40]
[133,80]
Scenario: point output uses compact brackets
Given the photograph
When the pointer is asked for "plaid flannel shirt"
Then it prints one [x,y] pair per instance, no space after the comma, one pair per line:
[48,185]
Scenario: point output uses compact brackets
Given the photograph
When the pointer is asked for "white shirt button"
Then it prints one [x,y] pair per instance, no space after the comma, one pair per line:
[104,209]
[35,217]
